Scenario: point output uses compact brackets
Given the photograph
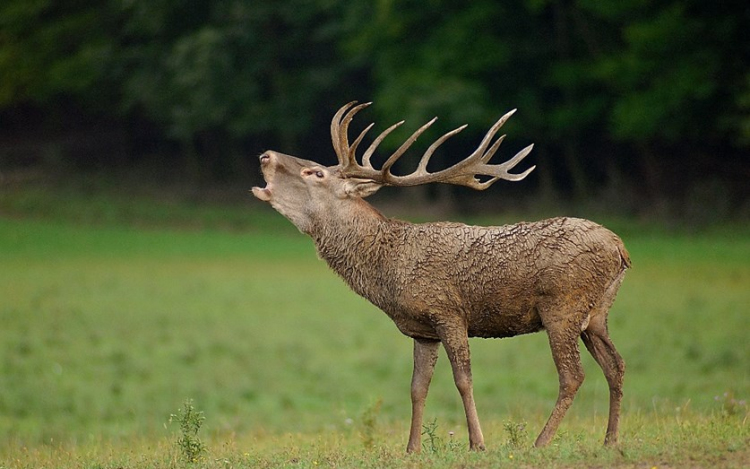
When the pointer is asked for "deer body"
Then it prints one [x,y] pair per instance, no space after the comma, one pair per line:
[442,283]
[490,278]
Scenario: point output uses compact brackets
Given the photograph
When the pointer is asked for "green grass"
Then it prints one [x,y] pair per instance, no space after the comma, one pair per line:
[692,441]
[106,328]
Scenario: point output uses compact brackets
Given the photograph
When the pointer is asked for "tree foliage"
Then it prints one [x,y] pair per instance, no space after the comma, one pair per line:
[48,49]
[652,93]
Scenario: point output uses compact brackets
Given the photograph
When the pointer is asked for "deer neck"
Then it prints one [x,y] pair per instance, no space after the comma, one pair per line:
[353,242]
[344,234]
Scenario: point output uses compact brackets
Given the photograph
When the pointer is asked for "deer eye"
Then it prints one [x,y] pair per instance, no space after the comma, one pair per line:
[319,174]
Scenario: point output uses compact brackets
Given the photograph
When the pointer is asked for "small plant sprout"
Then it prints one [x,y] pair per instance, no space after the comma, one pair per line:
[434,443]
[516,433]
[429,429]
[190,420]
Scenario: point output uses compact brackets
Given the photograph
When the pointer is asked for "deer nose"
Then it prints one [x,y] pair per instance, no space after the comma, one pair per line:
[265,158]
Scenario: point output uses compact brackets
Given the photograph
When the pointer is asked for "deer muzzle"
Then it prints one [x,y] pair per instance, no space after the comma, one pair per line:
[264,193]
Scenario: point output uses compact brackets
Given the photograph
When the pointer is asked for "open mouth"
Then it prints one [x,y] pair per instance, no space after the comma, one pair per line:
[262,193]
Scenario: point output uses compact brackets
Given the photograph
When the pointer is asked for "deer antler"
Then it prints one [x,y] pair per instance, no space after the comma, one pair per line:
[463,173]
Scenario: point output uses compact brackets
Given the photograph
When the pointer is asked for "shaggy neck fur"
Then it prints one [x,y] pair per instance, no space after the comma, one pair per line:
[360,244]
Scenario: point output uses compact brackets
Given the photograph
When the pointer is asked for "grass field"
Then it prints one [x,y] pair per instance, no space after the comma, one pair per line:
[107,328]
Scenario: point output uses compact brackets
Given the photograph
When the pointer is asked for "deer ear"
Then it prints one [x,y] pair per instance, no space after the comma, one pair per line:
[360,187]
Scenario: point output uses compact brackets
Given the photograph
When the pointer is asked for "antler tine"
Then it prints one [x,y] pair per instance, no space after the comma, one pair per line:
[480,151]
[508,165]
[371,149]
[347,155]
[335,130]
[353,148]
[405,146]
[498,171]
[422,167]
[489,153]
[339,131]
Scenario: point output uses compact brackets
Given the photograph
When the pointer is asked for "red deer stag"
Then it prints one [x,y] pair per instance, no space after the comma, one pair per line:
[442,283]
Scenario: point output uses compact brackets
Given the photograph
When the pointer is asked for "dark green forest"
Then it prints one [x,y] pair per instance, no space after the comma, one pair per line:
[642,104]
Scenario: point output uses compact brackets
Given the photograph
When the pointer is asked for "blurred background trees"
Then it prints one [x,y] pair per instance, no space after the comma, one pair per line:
[643,104]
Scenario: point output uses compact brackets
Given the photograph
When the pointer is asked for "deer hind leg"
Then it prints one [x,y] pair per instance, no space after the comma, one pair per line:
[564,344]
[425,357]
[456,344]
[597,341]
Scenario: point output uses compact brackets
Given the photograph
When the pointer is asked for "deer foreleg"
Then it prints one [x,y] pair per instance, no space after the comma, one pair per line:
[425,357]
[456,343]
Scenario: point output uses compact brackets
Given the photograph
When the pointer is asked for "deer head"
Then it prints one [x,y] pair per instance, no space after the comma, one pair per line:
[301,189]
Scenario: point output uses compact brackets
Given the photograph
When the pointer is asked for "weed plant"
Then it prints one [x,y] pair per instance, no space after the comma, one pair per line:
[189,443]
